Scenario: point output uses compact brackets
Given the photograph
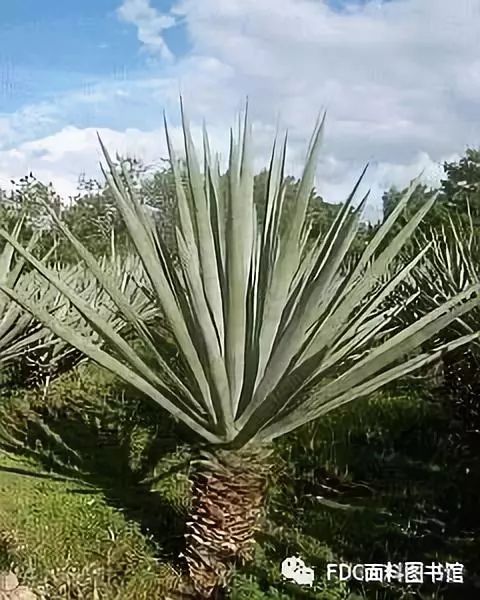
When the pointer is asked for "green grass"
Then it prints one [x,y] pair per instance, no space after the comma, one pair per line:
[64,541]
[105,531]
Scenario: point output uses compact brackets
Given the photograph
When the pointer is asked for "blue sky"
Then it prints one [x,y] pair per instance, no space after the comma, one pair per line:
[400,80]
[50,47]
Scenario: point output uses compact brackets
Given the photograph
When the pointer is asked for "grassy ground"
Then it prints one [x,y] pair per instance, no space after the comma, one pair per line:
[94,496]
[65,541]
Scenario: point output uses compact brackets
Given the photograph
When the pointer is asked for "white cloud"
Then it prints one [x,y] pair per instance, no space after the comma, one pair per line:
[150,25]
[399,79]
[61,157]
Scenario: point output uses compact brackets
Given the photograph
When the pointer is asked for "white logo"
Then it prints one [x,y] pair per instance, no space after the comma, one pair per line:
[294,568]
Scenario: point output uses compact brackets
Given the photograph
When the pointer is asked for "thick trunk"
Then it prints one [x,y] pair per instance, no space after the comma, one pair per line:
[228,498]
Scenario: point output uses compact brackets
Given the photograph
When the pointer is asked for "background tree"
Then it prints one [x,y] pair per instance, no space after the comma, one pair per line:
[458,194]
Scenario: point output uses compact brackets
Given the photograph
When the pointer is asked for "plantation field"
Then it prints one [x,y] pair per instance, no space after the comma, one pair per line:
[204,374]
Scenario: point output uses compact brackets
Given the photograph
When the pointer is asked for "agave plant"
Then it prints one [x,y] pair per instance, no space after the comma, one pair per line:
[451,268]
[22,338]
[17,328]
[39,355]
[30,353]
[271,333]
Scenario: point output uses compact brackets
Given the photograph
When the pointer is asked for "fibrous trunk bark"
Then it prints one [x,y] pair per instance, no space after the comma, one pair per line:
[228,498]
